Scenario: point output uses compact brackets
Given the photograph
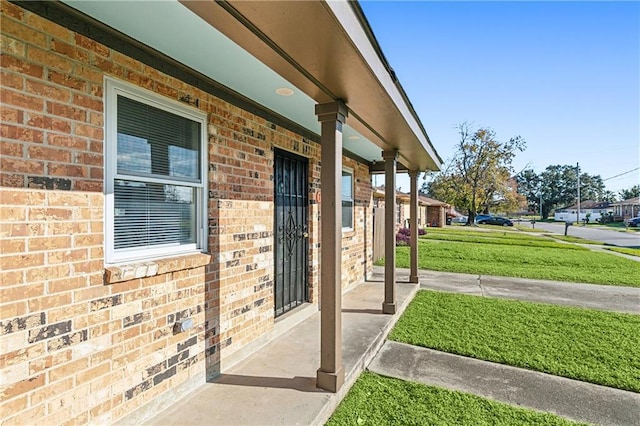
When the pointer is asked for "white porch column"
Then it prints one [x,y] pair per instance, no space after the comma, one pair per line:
[413,224]
[390,159]
[330,375]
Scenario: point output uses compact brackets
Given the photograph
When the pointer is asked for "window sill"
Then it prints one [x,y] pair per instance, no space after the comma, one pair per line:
[130,271]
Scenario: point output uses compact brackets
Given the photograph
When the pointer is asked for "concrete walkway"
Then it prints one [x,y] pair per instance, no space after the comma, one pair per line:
[573,399]
[276,385]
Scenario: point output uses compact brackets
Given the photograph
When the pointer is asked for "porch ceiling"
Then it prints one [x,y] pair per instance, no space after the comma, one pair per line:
[322,50]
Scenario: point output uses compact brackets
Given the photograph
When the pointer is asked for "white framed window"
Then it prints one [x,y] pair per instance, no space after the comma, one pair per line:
[155,175]
[347,199]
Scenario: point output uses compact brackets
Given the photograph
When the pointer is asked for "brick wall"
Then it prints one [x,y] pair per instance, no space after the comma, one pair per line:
[81,343]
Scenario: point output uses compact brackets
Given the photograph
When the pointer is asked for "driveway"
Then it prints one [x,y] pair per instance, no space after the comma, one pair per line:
[616,238]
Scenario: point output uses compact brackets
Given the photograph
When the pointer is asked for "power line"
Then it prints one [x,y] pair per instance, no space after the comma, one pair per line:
[622,174]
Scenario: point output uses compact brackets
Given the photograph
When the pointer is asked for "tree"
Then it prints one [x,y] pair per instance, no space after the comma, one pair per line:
[477,178]
[632,192]
[528,184]
[558,185]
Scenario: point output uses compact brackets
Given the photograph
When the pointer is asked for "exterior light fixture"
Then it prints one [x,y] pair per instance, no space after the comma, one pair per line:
[284,91]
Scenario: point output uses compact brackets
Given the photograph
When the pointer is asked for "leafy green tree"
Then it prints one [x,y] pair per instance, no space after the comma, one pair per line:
[529,186]
[632,192]
[477,178]
[558,185]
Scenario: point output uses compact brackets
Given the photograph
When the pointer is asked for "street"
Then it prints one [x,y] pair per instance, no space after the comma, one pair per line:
[616,238]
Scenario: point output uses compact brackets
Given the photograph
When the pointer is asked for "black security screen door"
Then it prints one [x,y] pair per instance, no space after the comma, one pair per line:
[291,232]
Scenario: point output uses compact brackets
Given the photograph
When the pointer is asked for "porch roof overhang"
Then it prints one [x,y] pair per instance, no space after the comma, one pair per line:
[326,50]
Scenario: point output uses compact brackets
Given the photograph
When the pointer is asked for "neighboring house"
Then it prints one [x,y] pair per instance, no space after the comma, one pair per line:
[430,212]
[627,208]
[168,173]
[595,209]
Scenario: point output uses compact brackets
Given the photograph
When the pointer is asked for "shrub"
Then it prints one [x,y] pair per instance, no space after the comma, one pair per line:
[403,237]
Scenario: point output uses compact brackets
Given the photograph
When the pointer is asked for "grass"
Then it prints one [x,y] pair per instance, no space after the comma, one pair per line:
[589,345]
[379,400]
[625,250]
[495,253]
[503,238]
[528,228]
[572,239]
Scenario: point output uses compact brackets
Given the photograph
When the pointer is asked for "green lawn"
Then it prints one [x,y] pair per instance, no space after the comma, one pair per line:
[379,400]
[525,259]
[589,345]
[504,238]
[630,251]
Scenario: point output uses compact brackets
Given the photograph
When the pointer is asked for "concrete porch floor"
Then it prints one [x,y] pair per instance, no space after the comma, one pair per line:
[276,384]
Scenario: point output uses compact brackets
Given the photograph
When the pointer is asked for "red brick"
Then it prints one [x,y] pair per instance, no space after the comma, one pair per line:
[89,159]
[66,111]
[89,185]
[67,80]
[12,180]
[91,45]
[21,100]
[21,134]
[11,149]
[49,123]
[53,154]
[67,170]
[96,146]
[67,141]
[96,173]
[12,10]
[69,51]
[23,32]
[18,65]
[21,166]
[14,81]
[89,74]
[108,66]
[87,102]
[89,131]
[140,80]
[11,115]
[48,27]
[96,119]
[48,91]
[51,60]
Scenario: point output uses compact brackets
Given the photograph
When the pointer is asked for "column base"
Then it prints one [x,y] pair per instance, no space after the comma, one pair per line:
[389,308]
[331,382]
[414,279]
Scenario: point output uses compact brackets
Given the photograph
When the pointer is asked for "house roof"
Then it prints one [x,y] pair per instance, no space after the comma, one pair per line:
[425,201]
[635,201]
[324,50]
[589,204]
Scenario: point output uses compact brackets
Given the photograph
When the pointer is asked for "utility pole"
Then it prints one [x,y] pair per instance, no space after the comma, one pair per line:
[578,211]
[540,203]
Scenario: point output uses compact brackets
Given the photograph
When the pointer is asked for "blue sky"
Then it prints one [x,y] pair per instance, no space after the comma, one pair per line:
[563,75]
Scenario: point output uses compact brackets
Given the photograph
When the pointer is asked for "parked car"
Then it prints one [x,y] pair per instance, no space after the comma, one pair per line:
[634,221]
[495,220]
[460,219]
[482,217]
